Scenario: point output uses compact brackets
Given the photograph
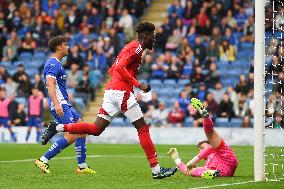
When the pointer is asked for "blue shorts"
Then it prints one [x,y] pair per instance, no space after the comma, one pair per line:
[4,122]
[35,121]
[70,115]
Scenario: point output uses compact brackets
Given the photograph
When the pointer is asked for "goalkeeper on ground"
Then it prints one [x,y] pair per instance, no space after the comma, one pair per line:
[220,158]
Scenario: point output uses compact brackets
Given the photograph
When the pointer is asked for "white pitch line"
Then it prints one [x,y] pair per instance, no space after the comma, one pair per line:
[223,185]
[74,157]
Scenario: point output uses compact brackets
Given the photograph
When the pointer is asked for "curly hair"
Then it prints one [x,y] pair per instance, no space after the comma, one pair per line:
[56,41]
[145,27]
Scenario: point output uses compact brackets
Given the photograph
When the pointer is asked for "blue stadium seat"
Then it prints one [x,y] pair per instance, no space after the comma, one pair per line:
[117,122]
[188,122]
[221,122]
[156,83]
[236,122]
[183,82]
[170,102]
[26,55]
[5,64]
[170,83]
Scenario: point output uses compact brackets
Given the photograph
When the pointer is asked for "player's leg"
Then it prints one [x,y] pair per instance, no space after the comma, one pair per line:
[80,147]
[135,115]
[30,124]
[214,138]
[7,124]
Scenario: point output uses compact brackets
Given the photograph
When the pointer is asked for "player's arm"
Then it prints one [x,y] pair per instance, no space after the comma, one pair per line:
[50,85]
[123,72]
[203,154]
[173,153]
[51,71]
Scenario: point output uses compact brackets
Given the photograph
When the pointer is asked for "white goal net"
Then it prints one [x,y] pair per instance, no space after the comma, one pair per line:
[273,91]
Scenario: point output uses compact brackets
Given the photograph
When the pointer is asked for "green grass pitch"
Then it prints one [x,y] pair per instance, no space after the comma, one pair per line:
[117,166]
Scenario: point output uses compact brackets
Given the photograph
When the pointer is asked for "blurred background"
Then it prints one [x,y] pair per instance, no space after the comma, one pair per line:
[203,49]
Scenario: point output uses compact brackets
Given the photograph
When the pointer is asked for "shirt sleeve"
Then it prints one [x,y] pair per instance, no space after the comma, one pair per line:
[121,64]
[52,70]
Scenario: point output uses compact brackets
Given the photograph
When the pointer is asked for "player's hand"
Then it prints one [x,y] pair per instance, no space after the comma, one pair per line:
[145,87]
[59,110]
[173,153]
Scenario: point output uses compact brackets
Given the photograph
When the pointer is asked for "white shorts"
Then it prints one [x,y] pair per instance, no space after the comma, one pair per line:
[116,101]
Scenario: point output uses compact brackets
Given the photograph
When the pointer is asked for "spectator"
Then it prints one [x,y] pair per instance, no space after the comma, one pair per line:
[278,122]
[84,88]
[246,122]
[241,18]
[183,101]
[202,22]
[3,75]
[175,67]
[10,86]
[160,115]
[218,92]
[271,49]
[174,40]
[5,120]
[99,61]
[85,42]
[225,108]
[187,67]
[35,115]
[159,68]
[16,40]
[20,117]
[29,43]
[273,68]
[72,21]
[212,52]
[188,90]
[143,105]
[73,76]
[242,109]
[9,51]
[24,88]
[227,52]
[108,48]
[94,19]
[13,105]
[154,100]
[242,87]
[145,68]
[126,23]
[202,91]
[20,72]
[199,50]
[74,58]
[248,30]
[231,21]
[279,20]
[213,76]
[212,105]
[270,106]
[38,83]
[197,76]
[176,116]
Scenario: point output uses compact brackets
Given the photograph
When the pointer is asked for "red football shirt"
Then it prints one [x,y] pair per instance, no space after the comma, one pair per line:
[124,70]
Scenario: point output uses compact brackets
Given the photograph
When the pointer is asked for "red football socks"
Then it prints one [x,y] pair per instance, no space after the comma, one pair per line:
[83,128]
[147,145]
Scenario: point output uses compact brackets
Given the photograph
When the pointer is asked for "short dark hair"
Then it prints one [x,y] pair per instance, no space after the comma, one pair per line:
[145,27]
[204,141]
[54,42]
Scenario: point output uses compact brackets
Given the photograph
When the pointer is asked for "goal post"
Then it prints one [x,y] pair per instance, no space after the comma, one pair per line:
[259,58]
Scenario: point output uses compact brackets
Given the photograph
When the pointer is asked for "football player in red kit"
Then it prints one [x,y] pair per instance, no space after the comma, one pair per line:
[119,97]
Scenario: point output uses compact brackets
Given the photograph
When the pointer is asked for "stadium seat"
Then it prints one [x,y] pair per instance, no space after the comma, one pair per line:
[156,83]
[221,122]
[236,122]
[188,122]
[170,83]
[117,122]
[183,82]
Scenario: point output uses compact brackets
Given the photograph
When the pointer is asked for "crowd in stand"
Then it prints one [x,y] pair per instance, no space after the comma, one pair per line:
[199,42]
[96,29]
[195,41]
